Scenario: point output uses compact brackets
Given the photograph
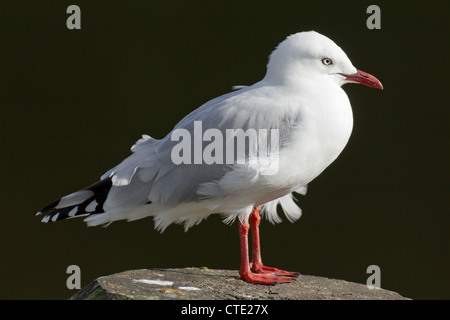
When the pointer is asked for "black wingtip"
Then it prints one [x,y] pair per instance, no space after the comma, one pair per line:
[92,205]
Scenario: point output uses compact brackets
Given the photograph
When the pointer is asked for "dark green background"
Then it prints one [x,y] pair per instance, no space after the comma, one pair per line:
[73,102]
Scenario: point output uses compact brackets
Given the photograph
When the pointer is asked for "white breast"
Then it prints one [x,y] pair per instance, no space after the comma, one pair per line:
[322,134]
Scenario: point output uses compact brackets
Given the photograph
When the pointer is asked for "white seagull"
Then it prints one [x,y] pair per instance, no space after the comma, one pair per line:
[301,104]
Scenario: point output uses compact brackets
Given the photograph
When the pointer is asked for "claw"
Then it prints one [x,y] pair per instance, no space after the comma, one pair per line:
[265,279]
[275,271]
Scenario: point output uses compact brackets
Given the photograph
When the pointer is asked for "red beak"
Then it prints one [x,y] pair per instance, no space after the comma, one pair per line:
[363,78]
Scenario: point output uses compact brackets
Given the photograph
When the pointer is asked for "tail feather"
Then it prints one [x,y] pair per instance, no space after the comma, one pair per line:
[87,201]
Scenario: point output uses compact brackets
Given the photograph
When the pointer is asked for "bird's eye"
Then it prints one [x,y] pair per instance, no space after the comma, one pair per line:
[327,61]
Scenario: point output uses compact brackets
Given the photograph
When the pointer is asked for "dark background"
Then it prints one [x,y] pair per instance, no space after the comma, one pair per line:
[74,101]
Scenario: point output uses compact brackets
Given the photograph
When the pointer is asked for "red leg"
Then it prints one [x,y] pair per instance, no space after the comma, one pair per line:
[256,264]
[244,271]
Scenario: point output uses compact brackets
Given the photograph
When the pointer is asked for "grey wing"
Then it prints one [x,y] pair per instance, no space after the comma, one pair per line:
[151,175]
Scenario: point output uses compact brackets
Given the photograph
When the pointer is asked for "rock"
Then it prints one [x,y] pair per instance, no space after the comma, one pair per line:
[208,284]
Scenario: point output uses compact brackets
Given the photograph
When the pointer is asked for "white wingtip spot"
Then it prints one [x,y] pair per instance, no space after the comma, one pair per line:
[45,219]
[73,211]
[91,206]
[55,217]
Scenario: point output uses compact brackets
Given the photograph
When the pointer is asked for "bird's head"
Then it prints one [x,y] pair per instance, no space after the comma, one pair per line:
[307,55]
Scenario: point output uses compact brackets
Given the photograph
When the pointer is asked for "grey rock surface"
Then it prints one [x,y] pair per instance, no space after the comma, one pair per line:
[209,284]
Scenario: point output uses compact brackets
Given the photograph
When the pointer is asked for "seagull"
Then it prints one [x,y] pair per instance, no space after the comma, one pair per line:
[296,121]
